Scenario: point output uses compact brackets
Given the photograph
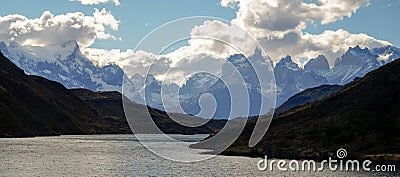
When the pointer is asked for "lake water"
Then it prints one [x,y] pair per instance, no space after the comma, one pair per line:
[121,155]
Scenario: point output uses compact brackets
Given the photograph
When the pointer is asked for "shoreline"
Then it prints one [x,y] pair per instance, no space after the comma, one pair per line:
[382,158]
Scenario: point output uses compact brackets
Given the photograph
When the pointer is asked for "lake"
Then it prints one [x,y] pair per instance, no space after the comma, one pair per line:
[121,155]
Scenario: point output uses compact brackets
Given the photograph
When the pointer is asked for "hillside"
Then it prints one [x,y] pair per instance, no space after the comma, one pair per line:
[109,106]
[363,117]
[34,106]
[308,96]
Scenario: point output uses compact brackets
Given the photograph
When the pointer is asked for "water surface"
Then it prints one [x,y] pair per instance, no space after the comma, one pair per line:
[120,155]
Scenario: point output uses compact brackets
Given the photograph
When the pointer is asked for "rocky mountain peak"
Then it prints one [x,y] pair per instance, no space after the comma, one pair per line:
[317,65]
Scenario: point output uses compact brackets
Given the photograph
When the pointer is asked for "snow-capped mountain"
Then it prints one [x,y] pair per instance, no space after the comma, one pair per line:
[356,62]
[64,63]
[319,65]
[386,54]
[291,79]
[238,72]
[197,84]
[152,92]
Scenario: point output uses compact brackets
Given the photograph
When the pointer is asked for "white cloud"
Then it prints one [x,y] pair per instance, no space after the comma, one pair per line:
[273,18]
[94,2]
[279,27]
[335,43]
[50,29]
[297,44]
[277,24]
[102,57]
[230,39]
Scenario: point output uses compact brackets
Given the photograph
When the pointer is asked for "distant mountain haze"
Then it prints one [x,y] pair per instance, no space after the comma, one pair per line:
[65,63]
[35,106]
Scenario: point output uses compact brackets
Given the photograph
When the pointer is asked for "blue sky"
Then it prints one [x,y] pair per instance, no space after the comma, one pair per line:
[137,18]
[379,19]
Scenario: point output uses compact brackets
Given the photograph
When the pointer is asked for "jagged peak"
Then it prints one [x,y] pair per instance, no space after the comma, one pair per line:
[321,57]
[258,52]
[318,63]
[3,48]
[2,43]
[14,44]
[286,59]
[235,57]
[72,43]
[358,48]
[151,77]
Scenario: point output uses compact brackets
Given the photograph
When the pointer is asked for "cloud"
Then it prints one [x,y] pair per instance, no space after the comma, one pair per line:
[51,29]
[273,18]
[102,57]
[330,43]
[230,39]
[94,2]
[279,27]
[299,45]
[335,43]
[137,62]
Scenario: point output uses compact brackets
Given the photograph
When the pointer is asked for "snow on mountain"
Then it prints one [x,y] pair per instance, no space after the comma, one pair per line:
[196,84]
[152,92]
[355,63]
[291,79]
[64,63]
[386,54]
[317,65]
[238,72]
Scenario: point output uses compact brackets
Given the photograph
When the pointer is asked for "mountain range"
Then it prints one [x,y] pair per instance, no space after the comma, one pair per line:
[363,117]
[355,63]
[290,78]
[65,63]
[35,106]
[308,96]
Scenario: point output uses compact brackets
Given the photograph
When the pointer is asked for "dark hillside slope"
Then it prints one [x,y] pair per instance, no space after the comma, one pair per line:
[109,106]
[363,117]
[34,106]
[308,96]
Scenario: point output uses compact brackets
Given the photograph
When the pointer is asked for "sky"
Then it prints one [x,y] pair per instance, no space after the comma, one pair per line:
[136,18]
[109,30]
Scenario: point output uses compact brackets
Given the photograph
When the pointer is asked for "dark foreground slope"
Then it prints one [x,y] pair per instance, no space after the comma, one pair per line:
[308,96]
[34,106]
[363,117]
[109,106]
